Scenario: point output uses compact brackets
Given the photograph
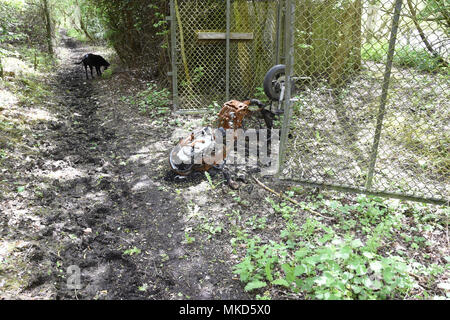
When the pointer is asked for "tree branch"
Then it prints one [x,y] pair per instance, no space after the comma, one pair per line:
[422,35]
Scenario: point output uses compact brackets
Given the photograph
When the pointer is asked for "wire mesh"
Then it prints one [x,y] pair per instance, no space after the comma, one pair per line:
[201,65]
[201,48]
[342,49]
[250,60]
[360,119]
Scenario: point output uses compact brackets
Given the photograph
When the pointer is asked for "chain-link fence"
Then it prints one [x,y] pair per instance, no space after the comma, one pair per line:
[373,113]
[370,108]
[222,49]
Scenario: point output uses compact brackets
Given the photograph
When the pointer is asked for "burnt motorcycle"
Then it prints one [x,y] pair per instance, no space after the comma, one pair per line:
[204,148]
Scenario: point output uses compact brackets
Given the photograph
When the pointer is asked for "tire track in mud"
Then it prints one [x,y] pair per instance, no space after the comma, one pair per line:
[104,207]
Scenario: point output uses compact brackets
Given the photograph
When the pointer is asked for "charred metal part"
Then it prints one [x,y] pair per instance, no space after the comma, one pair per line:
[184,157]
[268,117]
[199,150]
[233,113]
[230,182]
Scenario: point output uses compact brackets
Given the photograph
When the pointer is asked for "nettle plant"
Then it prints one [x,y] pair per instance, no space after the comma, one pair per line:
[313,260]
[152,101]
[342,269]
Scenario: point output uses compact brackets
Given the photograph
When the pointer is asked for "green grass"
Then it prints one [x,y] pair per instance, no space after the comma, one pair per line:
[43,61]
[77,35]
[107,74]
[405,56]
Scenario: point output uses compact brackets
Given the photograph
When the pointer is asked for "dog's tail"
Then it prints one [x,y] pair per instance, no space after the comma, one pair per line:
[82,59]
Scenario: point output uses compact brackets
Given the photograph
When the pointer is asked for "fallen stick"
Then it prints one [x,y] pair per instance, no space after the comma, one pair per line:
[288,199]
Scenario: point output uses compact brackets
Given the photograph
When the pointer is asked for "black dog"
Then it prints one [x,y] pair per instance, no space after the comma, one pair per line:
[93,60]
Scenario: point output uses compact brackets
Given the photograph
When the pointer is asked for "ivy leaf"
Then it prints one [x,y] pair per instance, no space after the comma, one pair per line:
[356,289]
[244,269]
[144,287]
[326,254]
[289,271]
[368,255]
[268,272]
[321,281]
[340,285]
[301,253]
[377,285]
[327,237]
[132,251]
[360,270]
[402,267]
[367,283]
[388,275]
[345,252]
[312,260]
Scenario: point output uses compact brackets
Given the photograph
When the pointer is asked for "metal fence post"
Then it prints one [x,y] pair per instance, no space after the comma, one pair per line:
[279,38]
[227,37]
[385,89]
[173,52]
[289,52]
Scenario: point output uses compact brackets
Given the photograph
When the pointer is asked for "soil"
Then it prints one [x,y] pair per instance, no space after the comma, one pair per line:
[107,188]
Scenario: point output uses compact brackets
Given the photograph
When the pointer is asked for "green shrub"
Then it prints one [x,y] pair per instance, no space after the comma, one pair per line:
[152,101]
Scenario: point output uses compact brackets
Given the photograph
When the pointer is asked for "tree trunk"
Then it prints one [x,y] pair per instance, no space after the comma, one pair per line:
[83,27]
[1,68]
[423,37]
[48,26]
[372,15]
[242,18]
[82,24]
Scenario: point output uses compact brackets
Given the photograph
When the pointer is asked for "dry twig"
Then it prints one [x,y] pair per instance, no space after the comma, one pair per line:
[282,196]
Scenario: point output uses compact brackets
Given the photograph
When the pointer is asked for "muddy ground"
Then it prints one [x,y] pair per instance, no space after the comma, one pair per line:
[87,184]
[104,187]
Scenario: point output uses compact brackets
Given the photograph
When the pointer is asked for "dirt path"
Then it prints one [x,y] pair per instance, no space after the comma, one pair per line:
[104,169]
[85,182]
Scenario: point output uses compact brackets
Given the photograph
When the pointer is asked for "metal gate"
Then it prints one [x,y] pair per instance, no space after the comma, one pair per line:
[221,49]
[369,112]
[376,122]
